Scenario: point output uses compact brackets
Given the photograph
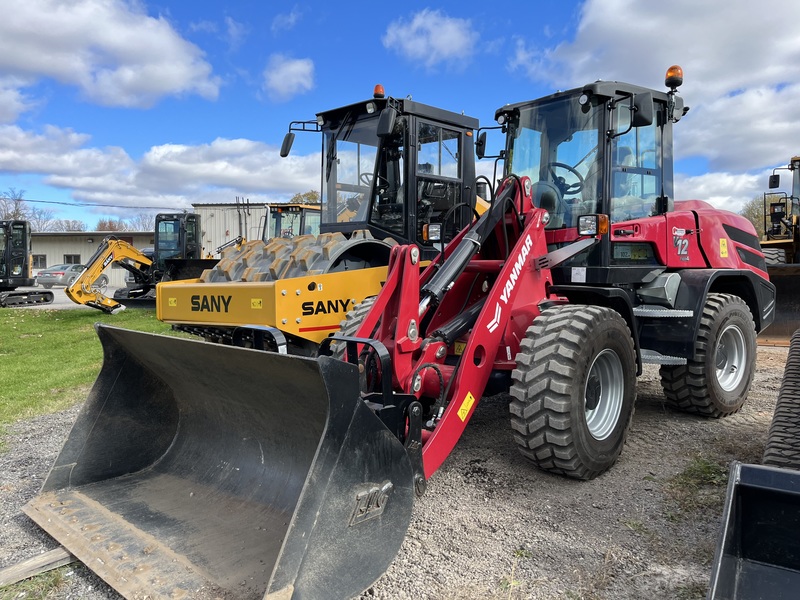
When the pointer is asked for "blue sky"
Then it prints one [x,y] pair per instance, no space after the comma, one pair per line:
[118,106]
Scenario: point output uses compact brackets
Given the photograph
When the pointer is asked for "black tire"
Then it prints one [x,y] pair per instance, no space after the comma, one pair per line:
[352,321]
[71,280]
[774,256]
[716,383]
[571,356]
[47,286]
[783,440]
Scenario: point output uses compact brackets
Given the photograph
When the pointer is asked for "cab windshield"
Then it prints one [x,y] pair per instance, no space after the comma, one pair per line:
[556,144]
[168,241]
[350,148]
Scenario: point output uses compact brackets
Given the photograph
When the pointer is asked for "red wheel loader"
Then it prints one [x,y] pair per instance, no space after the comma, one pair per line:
[199,470]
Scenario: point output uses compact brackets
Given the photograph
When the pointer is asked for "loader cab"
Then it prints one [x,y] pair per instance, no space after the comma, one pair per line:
[15,250]
[177,237]
[290,220]
[605,148]
[400,169]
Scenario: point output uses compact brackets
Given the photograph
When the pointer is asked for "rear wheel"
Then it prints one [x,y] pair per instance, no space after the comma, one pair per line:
[574,390]
[47,286]
[716,382]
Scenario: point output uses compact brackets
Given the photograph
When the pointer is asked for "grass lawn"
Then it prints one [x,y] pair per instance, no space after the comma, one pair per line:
[50,358]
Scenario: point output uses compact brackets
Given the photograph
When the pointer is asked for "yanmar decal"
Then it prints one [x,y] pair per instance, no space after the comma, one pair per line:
[510,283]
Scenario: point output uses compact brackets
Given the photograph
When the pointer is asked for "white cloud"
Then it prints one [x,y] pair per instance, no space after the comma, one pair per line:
[286,21]
[741,62]
[236,33]
[170,175]
[432,38]
[13,102]
[111,50]
[729,191]
[286,77]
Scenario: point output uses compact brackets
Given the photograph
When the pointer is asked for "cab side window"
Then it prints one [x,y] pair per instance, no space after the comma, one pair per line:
[439,176]
[635,172]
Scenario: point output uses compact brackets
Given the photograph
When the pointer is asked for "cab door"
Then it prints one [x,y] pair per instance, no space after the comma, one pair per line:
[682,247]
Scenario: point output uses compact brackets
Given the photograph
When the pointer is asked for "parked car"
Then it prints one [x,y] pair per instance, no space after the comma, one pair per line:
[65,275]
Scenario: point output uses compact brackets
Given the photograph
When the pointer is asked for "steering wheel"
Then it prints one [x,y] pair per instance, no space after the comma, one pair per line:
[366,179]
[566,190]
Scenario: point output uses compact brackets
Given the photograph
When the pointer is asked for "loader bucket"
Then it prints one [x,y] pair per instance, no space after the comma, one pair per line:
[758,554]
[197,470]
[787,305]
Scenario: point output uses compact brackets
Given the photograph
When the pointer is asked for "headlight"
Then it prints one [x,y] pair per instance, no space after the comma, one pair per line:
[432,232]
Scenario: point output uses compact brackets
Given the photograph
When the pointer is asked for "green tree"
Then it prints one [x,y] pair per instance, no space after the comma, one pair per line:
[753,211]
[309,197]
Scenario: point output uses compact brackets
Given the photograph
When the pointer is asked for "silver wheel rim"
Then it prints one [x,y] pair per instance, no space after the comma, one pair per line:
[730,357]
[603,394]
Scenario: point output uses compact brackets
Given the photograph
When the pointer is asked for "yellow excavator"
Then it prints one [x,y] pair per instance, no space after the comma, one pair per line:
[393,171]
[177,254]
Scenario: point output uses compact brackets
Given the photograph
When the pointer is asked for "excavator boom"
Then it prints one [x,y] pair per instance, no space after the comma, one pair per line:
[110,250]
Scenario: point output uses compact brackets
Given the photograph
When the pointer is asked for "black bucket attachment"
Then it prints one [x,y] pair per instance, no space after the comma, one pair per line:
[198,470]
[758,552]
[786,279]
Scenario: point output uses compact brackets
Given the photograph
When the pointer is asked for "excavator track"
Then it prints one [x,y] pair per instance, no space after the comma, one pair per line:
[16,299]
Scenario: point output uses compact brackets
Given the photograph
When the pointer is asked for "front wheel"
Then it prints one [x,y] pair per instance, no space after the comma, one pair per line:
[716,382]
[574,390]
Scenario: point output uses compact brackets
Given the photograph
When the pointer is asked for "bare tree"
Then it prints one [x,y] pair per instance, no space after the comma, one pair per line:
[111,225]
[142,222]
[41,219]
[68,225]
[12,205]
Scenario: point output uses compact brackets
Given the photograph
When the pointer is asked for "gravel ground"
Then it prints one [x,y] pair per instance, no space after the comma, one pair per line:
[493,526]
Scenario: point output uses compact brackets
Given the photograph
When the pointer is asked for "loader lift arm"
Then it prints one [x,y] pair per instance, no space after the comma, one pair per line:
[110,250]
[505,248]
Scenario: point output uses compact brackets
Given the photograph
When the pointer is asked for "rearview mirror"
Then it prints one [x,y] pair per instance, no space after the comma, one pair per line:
[480,145]
[386,122]
[286,147]
[642,110]
[774,181]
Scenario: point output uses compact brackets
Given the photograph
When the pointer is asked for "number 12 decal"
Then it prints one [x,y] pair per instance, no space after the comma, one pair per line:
[682,245]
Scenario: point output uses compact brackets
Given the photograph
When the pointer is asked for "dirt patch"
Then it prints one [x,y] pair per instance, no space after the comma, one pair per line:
[493,526]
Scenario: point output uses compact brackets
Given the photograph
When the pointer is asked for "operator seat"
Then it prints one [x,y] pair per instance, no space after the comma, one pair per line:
[545,195]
